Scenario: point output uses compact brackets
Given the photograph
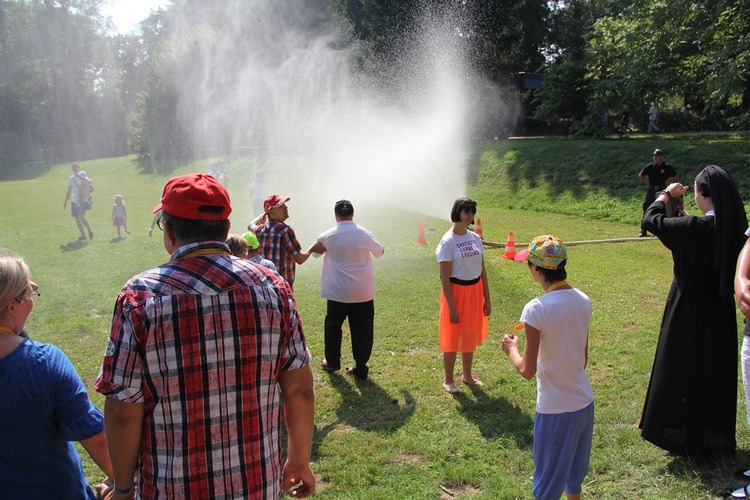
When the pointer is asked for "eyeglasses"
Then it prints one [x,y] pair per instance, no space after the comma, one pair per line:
[159,224]
[35,294]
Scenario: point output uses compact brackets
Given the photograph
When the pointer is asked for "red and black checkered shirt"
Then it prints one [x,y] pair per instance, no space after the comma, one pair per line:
[278,243]
[201,341]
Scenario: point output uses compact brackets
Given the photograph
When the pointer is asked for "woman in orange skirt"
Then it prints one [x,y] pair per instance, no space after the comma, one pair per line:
[464,293]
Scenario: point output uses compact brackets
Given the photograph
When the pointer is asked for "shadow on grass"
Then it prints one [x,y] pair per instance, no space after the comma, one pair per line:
[367,407]
[73,245]
[719,475]
[496,418]
[27,171]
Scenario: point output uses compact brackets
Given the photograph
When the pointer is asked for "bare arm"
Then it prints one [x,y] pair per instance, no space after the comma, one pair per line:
[123,424]
[526,364]
[67,196]
[156,218]
[316,247]
[301,257]
[445,282]
[258,221]
[643,178]
[742,280]
[586,353]
[299,412]
[96,447]
[486,290]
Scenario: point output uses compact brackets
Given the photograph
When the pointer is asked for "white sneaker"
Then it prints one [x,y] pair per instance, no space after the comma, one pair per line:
[741,492]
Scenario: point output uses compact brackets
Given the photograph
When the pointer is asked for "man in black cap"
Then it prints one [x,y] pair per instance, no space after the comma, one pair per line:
[348,284]
[657,175]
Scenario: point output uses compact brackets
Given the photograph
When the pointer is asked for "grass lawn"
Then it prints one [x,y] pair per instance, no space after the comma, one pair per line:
[399,435]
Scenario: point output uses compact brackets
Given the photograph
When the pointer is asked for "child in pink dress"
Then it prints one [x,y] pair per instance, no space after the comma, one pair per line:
[119,215]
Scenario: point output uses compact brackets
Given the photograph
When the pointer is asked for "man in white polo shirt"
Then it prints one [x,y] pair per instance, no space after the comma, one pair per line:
[348,284]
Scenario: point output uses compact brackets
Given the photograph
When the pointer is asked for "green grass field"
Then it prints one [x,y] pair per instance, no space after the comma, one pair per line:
[399,435]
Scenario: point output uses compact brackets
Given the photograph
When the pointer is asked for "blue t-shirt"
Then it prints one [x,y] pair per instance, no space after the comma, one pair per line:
[44,407]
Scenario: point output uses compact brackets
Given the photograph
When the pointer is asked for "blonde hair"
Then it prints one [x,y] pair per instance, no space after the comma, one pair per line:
[237,244]
[14,277]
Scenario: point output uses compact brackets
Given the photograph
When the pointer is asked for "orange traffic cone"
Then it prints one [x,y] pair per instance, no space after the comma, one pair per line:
[478,229]
[420,235]
[510,248]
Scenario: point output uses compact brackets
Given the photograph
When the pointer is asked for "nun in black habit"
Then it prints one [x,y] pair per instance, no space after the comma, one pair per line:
[691,403]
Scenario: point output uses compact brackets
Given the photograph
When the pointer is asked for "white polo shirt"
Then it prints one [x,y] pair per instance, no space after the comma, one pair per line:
[347,266]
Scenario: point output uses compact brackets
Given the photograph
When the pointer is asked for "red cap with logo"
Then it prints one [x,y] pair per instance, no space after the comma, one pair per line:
[274,201]
[195,197]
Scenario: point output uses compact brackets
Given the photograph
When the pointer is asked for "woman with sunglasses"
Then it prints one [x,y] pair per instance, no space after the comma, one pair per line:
[45,406]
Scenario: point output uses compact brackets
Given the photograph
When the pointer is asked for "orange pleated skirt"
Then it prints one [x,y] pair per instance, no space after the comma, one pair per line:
[471,329]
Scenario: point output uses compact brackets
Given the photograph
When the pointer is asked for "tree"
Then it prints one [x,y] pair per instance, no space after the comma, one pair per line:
[55,74]
[566,93]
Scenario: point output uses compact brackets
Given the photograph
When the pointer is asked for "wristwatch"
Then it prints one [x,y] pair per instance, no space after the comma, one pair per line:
[669,195]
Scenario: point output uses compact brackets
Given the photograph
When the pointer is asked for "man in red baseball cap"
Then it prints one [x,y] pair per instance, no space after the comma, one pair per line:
[278,243]
[171,347]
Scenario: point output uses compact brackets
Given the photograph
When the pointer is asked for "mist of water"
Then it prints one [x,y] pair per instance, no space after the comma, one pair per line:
[277,82]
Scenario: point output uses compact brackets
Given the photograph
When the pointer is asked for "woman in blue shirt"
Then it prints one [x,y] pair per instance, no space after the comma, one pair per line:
[45,406]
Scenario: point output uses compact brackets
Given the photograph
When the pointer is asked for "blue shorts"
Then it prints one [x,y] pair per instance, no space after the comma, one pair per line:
[78,210]
[562,447]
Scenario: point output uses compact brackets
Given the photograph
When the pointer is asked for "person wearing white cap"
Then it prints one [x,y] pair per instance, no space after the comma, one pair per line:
[74,194]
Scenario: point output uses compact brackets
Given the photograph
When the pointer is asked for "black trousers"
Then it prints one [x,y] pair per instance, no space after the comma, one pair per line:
[650,198]
[361,317]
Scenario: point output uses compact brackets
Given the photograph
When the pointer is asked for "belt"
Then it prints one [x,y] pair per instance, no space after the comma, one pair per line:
[457,281]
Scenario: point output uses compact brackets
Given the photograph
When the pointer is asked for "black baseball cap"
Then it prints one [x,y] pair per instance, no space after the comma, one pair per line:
[344,208]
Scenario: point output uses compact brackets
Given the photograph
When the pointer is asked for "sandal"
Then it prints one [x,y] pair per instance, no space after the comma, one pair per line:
[450,388]
[324,366]
[351,371]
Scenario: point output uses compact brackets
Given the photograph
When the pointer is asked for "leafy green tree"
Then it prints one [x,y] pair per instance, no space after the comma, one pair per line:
[727,84]
[566,93]
[690,57]
[55,76]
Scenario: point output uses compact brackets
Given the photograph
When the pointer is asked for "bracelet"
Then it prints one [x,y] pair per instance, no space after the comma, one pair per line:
[127,490]
[669,195]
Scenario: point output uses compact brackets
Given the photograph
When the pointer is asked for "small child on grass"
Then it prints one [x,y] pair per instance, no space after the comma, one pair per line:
[556,351]
[119,215]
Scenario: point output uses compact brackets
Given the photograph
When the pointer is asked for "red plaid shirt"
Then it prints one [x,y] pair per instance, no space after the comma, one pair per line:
[202,341]
[278,243]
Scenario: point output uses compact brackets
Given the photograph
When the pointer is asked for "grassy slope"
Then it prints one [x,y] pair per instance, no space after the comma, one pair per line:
[400,435]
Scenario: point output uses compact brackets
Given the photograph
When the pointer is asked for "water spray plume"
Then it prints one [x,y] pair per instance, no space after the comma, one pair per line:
[276,82]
